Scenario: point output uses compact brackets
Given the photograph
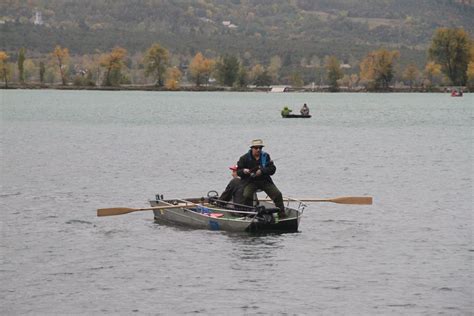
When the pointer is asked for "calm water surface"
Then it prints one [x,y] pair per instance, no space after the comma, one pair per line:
[66,153]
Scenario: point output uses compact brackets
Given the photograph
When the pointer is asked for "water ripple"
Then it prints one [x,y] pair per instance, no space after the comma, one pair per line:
[67,153]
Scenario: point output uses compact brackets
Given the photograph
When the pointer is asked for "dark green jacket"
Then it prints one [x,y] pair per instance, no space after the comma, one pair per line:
[265,164]
[234,191]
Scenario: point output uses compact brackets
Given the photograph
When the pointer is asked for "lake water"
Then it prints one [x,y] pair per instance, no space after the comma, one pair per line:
[66,153]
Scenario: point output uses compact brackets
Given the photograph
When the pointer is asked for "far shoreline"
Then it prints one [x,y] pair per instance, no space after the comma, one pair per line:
[317,89]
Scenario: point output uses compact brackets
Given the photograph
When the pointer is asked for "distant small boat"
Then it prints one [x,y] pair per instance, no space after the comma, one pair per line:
[296,115]
[455,93]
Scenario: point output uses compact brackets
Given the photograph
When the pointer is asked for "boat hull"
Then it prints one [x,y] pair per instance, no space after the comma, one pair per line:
[296,116]
[219,219]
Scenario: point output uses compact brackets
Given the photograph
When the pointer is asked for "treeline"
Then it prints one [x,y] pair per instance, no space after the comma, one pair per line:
[450,62]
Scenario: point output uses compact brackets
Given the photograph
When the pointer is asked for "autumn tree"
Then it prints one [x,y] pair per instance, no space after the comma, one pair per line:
[334,72]
[260,76]
[61,55]
[156,61]
[470,75]
[411,74]
[21,61]
[200,69]
[378,68]
[431,73]
[296,80]
[42,71]
[450,48]
[4,69]
[470,70]
[263,80]
[242,78]
[349,81]
[255,72]
[30,69]
[113,64]
[274,68]
[228,70]
[173,78]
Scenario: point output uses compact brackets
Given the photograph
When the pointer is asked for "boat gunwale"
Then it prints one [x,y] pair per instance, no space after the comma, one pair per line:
[247,219]
[196,213]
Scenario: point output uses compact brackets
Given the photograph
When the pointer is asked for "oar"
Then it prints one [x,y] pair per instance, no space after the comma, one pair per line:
[125,210]
[362,200]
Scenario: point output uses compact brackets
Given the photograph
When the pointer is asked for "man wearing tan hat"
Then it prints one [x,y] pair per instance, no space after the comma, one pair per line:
[255,168]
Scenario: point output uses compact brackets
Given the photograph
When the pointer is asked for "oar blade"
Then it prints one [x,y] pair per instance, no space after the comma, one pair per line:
[361,200]
[125,210]
[114,211]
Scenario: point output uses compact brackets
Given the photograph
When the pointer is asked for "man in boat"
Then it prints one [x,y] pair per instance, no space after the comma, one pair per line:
[234,190]
[286,111]
[304,110]
[255,168]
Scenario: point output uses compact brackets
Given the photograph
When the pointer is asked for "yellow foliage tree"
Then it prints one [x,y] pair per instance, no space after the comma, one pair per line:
[410,74]
[333,71]
[451,49]
[61,55]
[274,68]
[4,69]
[296,80]
[201,69]
[432,73]
[256,72]
[378,68]
[470,75]
[173,78]
[29,69]
[470,69]
[156,60]
[113,64]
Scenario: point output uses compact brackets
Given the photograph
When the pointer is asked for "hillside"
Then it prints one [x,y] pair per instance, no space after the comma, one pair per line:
[301,32]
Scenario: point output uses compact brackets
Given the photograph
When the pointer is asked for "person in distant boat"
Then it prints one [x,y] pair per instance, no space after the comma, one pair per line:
[304,110]
[234,190]
[255,168]
[286,111]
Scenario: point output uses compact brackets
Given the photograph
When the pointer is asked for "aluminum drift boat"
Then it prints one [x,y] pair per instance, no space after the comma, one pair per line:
[214,214]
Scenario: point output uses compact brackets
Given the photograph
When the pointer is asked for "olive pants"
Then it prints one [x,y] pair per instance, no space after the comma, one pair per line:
[269,188]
